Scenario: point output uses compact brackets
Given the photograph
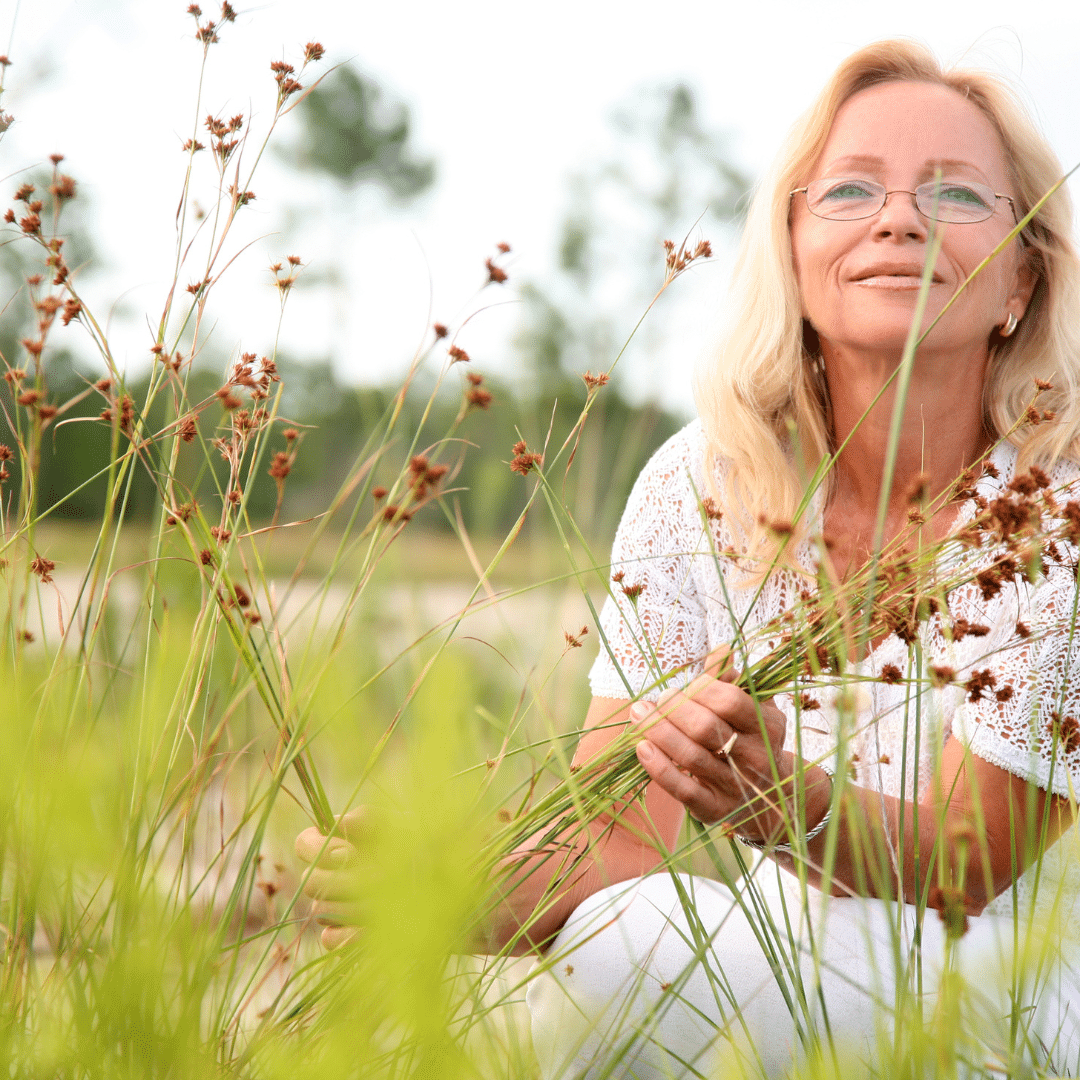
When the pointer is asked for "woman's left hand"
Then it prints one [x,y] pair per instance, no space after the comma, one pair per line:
[717,751]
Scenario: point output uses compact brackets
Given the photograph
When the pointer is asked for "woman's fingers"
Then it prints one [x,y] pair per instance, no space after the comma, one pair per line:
[333,937]
[698,799]
[312,847]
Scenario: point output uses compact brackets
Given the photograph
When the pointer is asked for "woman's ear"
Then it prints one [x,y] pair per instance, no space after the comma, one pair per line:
[1027,277]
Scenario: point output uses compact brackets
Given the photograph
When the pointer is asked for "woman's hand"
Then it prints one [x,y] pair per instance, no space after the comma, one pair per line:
[717,752]
[331,883]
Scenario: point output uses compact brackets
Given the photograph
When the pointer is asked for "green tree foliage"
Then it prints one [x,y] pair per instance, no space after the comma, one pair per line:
[354,133]
[667,172]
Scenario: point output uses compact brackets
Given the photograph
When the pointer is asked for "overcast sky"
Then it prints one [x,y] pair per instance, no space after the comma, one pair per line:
[509,98]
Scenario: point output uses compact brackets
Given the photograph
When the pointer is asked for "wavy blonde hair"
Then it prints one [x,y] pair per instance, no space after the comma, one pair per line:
[762,383]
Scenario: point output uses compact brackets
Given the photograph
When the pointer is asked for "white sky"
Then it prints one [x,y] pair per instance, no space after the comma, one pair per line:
[509,98]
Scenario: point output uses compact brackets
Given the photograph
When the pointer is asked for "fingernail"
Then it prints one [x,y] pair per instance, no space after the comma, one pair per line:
[639,710]
[337,856]
[645,750]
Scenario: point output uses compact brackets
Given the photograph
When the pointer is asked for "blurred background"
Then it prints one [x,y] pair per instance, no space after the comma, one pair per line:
[581,134]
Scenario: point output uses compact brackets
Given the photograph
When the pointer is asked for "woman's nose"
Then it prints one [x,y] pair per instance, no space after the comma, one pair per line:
[900,217]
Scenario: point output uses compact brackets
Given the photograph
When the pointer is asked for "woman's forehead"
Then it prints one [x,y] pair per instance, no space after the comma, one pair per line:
[913,126]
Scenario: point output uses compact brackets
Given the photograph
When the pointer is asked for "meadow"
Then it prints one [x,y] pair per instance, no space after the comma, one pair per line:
[189,686]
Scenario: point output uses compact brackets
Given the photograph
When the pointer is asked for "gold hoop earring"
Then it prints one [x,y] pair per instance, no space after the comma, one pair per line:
[1009,326]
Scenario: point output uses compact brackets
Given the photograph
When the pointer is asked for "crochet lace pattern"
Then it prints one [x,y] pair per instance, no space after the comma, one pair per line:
[688,604]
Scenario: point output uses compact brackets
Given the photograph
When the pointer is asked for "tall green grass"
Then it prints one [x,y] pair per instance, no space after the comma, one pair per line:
[177,707]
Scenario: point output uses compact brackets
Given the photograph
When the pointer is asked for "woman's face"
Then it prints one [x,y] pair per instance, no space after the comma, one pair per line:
[859,279]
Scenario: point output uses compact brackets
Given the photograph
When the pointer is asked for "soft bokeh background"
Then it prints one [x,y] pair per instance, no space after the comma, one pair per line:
[510,102]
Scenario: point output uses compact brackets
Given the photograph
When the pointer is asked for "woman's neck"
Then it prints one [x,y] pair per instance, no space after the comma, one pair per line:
[941,434]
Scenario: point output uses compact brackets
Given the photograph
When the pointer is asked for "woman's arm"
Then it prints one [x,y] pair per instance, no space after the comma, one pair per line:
[715,751]
[608,850]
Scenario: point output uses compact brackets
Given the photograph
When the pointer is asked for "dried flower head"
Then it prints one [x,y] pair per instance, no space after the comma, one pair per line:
[313,51]
[808,703]
[188,429]
[890,673]
[941,675]
[43,568]
[62,188]
[594,382]
[281,466]
[524,460]
[632,592]
[205,557]
[980,684]
[457,354]
[711,510]
[1043,384]
[378,492]
[478,397]
[291,434]
[573,641]
[228,399]
[496,274]
[440,330]
[1066,731]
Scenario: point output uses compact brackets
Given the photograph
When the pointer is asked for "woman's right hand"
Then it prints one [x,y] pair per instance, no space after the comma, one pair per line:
[331,883]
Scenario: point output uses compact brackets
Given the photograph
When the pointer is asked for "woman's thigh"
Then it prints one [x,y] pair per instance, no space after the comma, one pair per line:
[663,977]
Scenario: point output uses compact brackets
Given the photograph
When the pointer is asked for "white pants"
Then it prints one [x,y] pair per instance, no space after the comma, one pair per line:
[633,987]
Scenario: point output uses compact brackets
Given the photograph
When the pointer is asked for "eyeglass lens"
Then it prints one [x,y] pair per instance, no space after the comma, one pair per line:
[849,199]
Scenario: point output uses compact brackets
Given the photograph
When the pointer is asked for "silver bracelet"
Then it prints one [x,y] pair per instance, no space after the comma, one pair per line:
[785,848]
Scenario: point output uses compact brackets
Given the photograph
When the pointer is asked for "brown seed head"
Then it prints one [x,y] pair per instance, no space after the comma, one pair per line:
[313,51]
[281,466]
[5,452]
[594,382]
[72,308]
[63,188]
[43,568]
[457,354]
[478,397]
[378,492]
[495,273]
[205,557]
[291,434]
[228,399]
[440,330]
[890,673]
[941,676]
[29,397]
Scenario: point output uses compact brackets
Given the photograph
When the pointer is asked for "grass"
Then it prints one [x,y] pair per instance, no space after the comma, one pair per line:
[183,696]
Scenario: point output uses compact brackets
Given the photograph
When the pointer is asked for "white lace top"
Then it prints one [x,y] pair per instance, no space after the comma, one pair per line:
[686,605]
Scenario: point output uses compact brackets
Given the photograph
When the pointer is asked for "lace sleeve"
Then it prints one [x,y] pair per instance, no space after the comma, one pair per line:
[653,623]
[1028,721]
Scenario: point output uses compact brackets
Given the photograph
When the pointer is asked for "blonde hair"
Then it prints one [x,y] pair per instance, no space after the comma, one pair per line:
[763,386]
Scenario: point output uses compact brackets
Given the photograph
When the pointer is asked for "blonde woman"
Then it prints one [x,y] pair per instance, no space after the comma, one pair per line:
[649,975]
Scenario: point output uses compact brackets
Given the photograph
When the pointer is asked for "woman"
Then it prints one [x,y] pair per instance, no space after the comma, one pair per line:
[656,975]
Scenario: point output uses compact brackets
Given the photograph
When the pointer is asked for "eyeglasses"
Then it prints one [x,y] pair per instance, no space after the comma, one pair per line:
[846,199]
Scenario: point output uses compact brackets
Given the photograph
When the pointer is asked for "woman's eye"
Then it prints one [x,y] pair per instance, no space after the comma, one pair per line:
[961,193]
[848,189]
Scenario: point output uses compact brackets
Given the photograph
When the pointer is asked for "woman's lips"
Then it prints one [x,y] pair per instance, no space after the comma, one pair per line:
[901,282]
